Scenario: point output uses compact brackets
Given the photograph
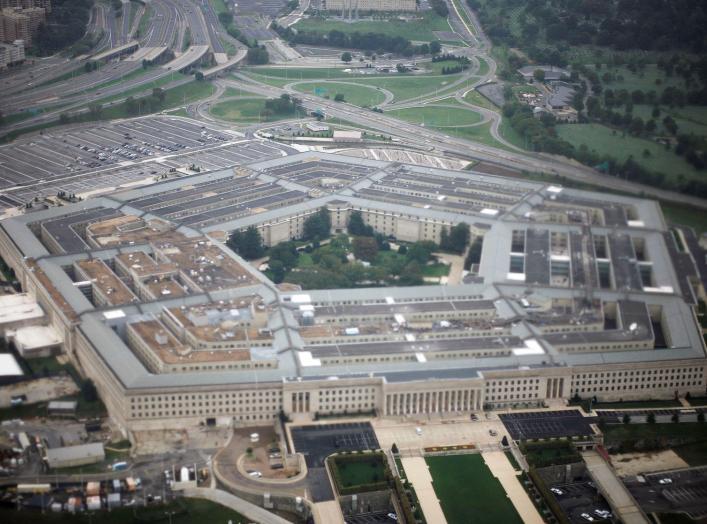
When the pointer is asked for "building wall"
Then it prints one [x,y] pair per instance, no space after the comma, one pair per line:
[369,5]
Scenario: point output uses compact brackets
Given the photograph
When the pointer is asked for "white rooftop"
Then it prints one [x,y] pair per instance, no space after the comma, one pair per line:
[19,307]
[9,366]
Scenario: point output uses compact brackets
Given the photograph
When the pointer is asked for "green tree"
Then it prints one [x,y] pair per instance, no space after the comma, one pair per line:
[456,239]
[277,270]
[317,226]
[435,47]
[346,57]
[365,248]
[539,75]
[626,419]
[248,243]
[420,252]
[357,227]
[411,275]
[338,97]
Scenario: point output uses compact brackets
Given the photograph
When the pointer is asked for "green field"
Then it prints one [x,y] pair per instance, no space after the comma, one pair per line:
[687,439]
[360,473]
[358,95]
[246,110]
[603,140]
[406,87]
[469,493]
[439,117]
[649,78]
[414,30]
[185,511]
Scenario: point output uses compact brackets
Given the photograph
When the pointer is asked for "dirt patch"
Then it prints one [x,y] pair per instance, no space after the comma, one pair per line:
[39,390]
[627,464]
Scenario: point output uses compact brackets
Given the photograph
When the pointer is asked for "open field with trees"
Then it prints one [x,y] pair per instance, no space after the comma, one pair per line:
[248,110]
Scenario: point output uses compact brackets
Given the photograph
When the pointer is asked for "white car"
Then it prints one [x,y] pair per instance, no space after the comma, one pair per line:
[393,516]
[255,474]
[557,491]
[587,517]
[666,480]
[418,431]
[602,513]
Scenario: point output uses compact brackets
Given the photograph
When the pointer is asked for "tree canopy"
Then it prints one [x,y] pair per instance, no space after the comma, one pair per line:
[317,226]
[248,243]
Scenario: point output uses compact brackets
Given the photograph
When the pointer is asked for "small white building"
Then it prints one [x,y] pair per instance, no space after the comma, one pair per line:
[71,456]
[347,136]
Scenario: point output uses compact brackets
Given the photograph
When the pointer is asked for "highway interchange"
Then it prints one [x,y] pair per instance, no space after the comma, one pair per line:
[50,95]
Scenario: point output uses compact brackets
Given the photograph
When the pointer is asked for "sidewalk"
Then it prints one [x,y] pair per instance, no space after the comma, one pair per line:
[245,508]
[418,474]
[501,469]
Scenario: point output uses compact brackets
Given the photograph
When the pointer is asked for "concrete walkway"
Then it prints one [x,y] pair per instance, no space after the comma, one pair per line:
[613,489]
[501,469]
[328,512]
[245,508]
[419,475]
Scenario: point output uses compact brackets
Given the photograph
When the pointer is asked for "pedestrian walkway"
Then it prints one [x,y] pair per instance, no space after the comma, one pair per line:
[328,512]
[502,469]
[612,489]
[245,508]
[418,474]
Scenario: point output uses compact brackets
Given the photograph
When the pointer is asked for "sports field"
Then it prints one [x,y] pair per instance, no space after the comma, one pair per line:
[469,493]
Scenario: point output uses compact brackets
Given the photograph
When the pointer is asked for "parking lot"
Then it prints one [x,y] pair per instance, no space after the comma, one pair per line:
[547,424]
[682,490]
[317,442]
[580,500]
[84,160]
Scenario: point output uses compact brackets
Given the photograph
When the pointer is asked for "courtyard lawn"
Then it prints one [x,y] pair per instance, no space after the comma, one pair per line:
[360,473]
[603,140]
[468,492]
[358,95]
[415,30]
[246,110]
[437,116]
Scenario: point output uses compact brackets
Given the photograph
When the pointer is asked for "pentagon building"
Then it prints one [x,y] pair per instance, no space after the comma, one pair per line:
[568,292]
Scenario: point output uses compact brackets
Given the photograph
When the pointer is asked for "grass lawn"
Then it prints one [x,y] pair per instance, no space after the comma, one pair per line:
[415,30]
[437,116]
[144,23]
[468,492]
[644,80]
[404,87]
[174,97]
[687,439]
[436,270]
[358,95]
[602,140]
[638,404]
[358,473]
[185,511]
[245,110]
[476,98]
[685,216]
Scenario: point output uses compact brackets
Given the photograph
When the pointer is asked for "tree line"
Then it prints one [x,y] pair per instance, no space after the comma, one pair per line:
[65,25]
[375,42]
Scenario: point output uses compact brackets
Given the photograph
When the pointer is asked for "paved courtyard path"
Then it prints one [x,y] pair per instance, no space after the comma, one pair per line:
[419,475]
[501,469]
